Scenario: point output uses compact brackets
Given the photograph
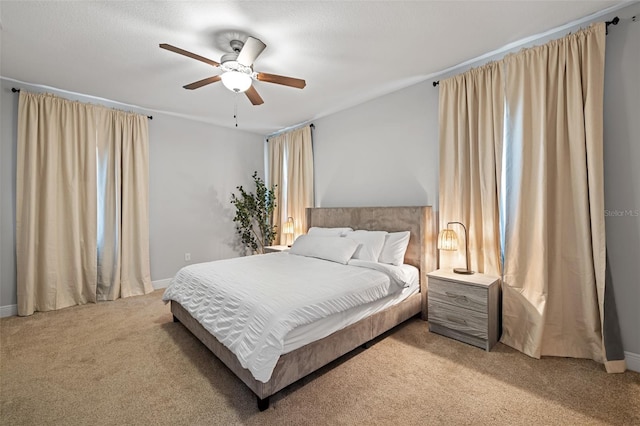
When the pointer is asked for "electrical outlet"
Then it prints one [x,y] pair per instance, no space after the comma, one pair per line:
[187,257]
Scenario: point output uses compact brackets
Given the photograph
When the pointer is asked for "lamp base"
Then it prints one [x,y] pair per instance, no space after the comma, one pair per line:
[463,271]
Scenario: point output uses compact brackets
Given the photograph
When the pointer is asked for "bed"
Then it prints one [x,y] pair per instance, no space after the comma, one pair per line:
[305,357]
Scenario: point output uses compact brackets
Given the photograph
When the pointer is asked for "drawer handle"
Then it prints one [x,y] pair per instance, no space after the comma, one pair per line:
[457,320]
[458,297]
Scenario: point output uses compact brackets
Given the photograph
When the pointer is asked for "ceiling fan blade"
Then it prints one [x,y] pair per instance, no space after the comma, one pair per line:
[202,82]
[279,79]
[189,54]
[253,96]
[250,51]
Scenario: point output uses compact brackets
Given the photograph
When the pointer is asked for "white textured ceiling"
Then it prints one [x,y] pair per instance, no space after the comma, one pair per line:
[348,52]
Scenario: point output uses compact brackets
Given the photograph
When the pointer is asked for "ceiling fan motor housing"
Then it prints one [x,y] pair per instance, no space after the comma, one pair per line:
[229,62]
[233,65]
[229,57]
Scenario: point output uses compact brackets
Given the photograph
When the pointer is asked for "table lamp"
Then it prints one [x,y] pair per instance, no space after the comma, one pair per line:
[448,240]
[287,229]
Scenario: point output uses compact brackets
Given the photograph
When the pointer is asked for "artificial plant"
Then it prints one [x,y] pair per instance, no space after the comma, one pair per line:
[254,212]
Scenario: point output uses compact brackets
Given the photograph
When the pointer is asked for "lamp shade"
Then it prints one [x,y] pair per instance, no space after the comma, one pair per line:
[288,226]
[448,240]
[236,81]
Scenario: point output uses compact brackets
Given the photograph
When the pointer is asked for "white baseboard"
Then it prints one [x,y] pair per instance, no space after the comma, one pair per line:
[161,283]
[8,311]
[633,361]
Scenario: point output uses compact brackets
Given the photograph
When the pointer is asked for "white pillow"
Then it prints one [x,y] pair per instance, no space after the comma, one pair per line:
[394,248]
[334,249]
[371,243]
[328,232]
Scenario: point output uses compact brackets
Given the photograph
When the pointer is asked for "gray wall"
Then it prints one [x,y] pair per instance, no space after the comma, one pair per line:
[7,196]
[622,171]
[381,153]
[193,169]
[385,152]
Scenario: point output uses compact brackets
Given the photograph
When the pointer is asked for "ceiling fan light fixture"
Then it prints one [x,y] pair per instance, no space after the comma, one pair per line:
[236,81]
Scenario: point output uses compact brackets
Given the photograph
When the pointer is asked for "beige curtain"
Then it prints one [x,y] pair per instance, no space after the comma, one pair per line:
[554,272]
[55,204]
[123,201]
[299,177]
[290,162]
[70,156]
[275,177]
[470,165]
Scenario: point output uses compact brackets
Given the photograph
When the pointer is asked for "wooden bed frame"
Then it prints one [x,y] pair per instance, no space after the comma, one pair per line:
[296,364]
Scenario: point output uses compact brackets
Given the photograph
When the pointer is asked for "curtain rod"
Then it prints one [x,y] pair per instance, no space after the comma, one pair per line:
[614,21]
[290,129]
[14,90]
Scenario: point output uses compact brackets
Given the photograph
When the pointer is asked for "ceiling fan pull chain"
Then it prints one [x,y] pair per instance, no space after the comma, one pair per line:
[235,110]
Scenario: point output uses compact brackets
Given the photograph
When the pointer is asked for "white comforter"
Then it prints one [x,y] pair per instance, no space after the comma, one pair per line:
[250,303]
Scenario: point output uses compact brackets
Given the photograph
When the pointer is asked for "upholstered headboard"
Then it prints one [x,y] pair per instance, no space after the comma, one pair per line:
[418,220]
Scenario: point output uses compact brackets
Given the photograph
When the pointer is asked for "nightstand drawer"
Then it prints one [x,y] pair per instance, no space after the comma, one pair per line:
[456,318]
[461,295]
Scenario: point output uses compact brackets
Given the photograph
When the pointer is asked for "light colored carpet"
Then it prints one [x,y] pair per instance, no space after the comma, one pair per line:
[127,363]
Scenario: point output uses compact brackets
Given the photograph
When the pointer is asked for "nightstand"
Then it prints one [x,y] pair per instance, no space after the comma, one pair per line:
[275,249]
[464,307]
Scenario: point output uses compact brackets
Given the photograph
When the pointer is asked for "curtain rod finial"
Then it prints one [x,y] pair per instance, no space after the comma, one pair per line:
[614,21]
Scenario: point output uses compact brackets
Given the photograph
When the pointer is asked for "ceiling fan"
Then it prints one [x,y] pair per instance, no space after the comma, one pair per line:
[238,74]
